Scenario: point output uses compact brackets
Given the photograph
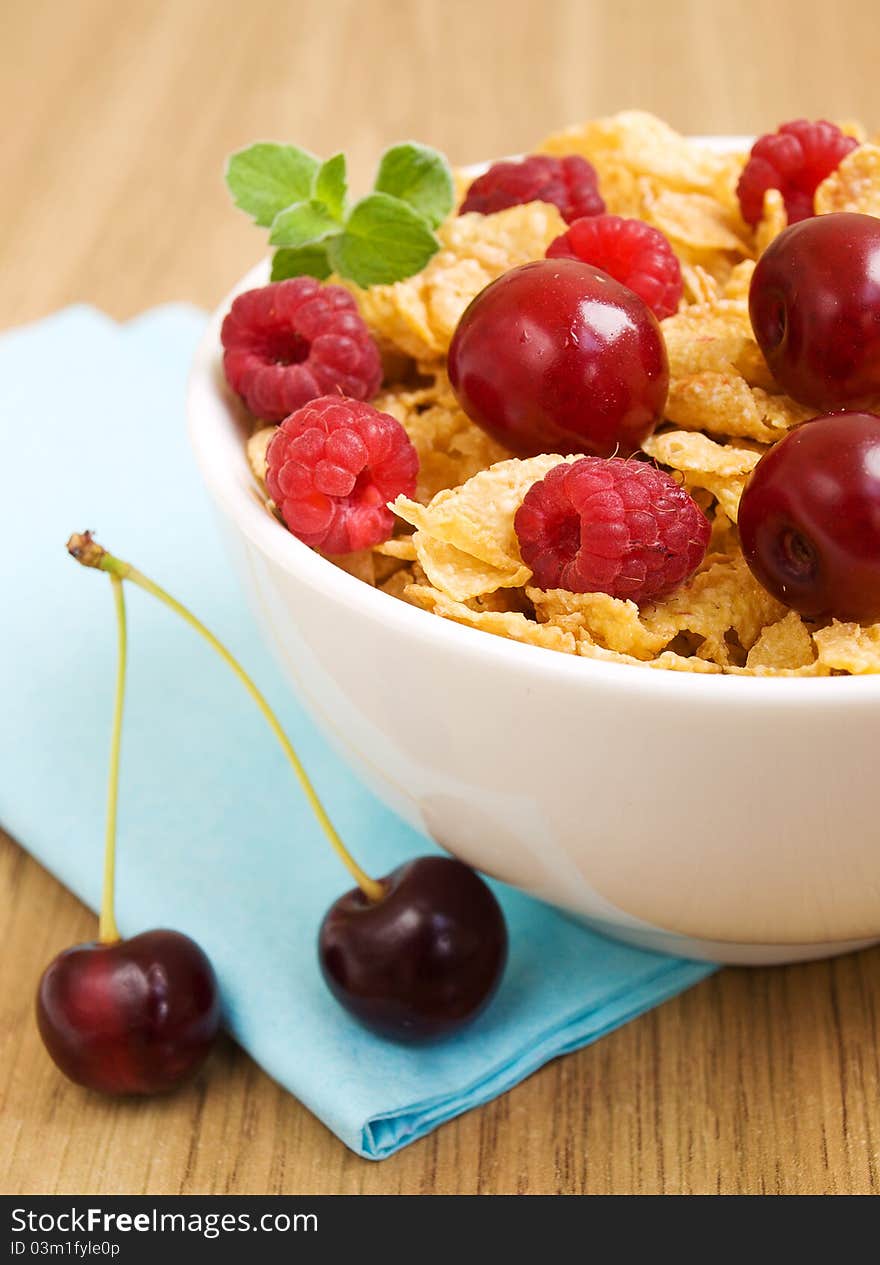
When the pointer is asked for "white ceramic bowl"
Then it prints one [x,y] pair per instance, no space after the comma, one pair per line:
[731,818]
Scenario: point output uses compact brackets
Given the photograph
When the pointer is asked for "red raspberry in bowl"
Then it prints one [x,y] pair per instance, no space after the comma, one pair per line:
[289,342]
[570,183]
[331,469]
[606,525]
[795,159]
[632,252]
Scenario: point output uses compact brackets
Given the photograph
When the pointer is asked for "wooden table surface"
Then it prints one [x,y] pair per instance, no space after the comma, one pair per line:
[117,118]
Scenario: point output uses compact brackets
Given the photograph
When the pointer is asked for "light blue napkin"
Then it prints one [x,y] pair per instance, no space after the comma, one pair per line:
[215,838]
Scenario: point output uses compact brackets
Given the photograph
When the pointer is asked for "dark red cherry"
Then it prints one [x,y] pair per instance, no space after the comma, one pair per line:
[814,301]
[809,518]
[555,356]
[425,959]
[134,1017]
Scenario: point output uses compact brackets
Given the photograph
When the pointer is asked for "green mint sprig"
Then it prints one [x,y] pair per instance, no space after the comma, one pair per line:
[382,238]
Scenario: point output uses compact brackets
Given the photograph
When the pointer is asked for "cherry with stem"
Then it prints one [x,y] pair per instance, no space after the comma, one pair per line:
[414,955]
[135,1016]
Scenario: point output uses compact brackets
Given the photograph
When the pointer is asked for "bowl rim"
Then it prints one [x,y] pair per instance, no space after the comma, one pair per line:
[220,456]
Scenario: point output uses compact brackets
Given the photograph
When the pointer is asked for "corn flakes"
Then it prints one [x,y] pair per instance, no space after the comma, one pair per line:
[643,145]
[722,599]
[697,225]
[774,218]
[256,452]
[849,647]
[611,622]
[669,660]
[783,646]
[721,469]
[509,624]
[475,523]
[724,410]
[725,404]
[400,547]
[451,448]
[737,284]
[700,287]
[715,336]
[854,186]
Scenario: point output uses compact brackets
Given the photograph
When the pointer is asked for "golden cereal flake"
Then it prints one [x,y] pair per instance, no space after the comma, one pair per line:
[401,548]
[400,579]
[477,517]
[643,145]
[783,646]
[450,447]
[397,315]
[737,285]
[847,647]
[668,661]
[725,404]
[501,600]
[700,287]
[854,186]
[696,225]
[727,492]
[418,316]
[694,453]
[774,218]
[461,576]
[721,469]
[779,413]
[610,621]
[723,598]
[724,541]
[713,336]
[502,240]
[397,583]
[724,189]
[621,189]
[510,624]
[256,451]
[384,567]
[720,403]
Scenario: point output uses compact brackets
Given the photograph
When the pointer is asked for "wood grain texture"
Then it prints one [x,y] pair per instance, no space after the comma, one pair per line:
[755,1080]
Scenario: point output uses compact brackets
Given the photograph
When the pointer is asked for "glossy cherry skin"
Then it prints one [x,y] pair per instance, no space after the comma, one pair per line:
[814,301]
[809,518]
[135,1017]
[423,961]
[555,356]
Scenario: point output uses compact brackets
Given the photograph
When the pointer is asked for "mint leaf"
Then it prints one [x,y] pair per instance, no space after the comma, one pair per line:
[384,240]
[302,224]
[331,186]
[304,202]
[419,176]
[265,178]
[305,261]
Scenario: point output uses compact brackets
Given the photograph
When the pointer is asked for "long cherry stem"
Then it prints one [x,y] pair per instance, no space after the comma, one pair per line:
[91,554]
[108,932]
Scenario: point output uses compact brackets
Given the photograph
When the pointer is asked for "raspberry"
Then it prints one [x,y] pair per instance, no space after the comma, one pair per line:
[570,183]
[610,526]
[795,160]
[630,251]
[331,469]
[289,342]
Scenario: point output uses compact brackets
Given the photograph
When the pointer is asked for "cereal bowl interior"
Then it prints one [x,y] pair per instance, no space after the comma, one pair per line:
[711,815]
